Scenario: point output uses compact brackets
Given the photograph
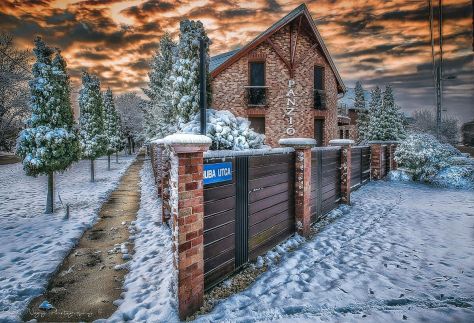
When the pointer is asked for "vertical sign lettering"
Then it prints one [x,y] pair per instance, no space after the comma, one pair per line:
[290,108]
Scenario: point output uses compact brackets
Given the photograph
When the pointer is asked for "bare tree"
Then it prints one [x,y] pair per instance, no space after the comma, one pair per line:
[129,106]
[425,121]
[15,72]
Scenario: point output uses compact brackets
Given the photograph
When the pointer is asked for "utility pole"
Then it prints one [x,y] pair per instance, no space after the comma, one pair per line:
[202,85]
[439,85]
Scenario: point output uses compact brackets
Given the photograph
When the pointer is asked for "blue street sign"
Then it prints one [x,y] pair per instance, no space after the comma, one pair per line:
[218,172]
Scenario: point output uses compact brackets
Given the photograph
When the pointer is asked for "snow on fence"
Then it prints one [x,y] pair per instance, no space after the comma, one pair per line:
[257,199]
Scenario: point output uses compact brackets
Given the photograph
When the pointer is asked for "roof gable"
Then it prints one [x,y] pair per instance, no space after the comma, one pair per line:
[220,62]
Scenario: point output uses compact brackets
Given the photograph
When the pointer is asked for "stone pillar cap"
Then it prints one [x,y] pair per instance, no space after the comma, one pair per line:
[159,141]
[375,142]
[298,142]
[187,143]
[341,142]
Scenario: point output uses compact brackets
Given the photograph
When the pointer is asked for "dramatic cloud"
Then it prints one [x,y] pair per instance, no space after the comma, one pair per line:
[377,42]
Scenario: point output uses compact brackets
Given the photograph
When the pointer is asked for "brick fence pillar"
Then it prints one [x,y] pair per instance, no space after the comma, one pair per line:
[377,164]
[187,212]
[375,160]
[346,165]
[302,148]
[393,163]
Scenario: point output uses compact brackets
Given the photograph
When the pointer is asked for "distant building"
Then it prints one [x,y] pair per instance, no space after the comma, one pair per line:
[467,130]
[347,115]
[284,81]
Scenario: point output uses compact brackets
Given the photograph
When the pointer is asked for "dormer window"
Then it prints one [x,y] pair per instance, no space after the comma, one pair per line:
[319,92]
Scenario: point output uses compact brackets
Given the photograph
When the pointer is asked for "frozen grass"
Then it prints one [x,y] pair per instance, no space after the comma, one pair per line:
[33,244]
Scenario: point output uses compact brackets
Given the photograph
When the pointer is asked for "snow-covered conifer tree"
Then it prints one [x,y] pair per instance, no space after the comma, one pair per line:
[93,139]
[362,113]
[156,111]
[50,143]
[385,119]
[392,119]
[375,107]
[111,126]
[185,73]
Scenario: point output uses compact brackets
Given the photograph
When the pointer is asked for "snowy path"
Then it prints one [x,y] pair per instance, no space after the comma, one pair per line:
[405,251]
[33,244]
[148,295]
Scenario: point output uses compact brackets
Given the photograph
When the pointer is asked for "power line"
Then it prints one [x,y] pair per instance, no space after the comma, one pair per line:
[15,61]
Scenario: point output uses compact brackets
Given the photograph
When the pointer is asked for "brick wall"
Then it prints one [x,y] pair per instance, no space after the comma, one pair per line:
[228,92]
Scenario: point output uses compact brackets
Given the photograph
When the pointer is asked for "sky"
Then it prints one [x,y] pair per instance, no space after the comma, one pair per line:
[375,41]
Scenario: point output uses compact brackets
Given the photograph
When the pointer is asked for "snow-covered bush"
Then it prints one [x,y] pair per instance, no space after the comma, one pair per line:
[399,175]
[455,177]
[424,155]
[226,131]
[430,161]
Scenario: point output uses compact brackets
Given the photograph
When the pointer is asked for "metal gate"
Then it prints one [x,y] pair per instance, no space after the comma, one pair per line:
[360,166]
[249,215]
[325,181]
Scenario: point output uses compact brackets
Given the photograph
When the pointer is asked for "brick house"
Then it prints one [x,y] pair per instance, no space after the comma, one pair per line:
[284,81]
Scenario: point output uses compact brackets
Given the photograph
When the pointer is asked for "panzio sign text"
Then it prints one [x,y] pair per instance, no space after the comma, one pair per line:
[290,110]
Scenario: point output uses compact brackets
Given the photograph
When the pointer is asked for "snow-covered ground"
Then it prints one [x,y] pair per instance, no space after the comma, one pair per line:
[33,244]
[149,295]
[404,252]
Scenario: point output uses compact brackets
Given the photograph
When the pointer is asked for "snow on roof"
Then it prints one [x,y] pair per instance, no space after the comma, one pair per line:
[217,60]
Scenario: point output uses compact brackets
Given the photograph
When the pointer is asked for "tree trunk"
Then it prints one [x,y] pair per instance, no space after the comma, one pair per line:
[50,197]
[133,145]
[92,170]
[116,157]
[108,162]
[129,145]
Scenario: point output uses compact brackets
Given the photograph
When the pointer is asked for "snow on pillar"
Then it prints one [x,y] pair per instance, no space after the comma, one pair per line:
[187,215]
[346,165]
[302,148]
[393,163]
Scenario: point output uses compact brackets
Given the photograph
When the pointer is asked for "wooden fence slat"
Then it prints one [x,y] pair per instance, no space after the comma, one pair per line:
[267,202]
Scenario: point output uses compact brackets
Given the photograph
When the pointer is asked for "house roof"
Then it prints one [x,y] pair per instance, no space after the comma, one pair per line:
[221,62]
[218,60]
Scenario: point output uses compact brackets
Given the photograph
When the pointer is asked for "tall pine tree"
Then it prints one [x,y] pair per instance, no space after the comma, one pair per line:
[50,143]
[111,126]
[93,139]
[391,119]
[385,119]
[158,109]
[375,105]
[185,73]
[362,113]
